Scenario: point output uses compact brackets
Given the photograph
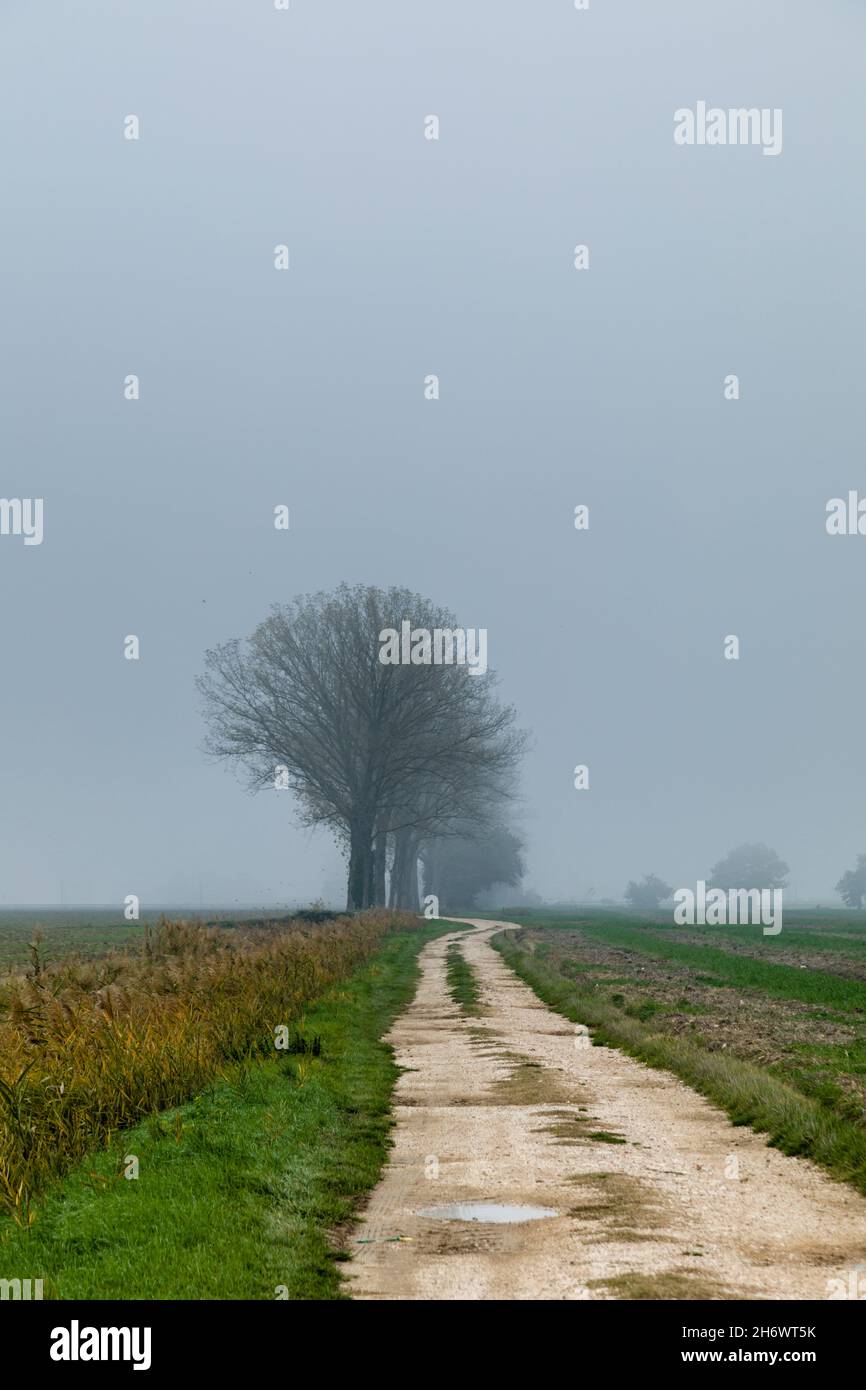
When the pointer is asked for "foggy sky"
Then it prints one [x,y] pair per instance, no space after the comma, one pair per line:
[558,387]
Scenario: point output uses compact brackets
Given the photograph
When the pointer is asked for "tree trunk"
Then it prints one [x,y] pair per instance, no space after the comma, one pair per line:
[370,879]
[380,846]
[404,873]
[430,869]
[411,900]
[398,868]
[360,866]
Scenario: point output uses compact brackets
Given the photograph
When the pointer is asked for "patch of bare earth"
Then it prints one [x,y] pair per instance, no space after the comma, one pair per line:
[755,1026]
[514,1107]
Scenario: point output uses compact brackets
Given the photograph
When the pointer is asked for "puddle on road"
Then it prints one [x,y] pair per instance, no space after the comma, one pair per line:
[496,1213]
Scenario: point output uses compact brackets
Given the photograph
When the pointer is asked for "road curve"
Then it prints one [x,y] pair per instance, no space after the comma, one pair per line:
[658,1195]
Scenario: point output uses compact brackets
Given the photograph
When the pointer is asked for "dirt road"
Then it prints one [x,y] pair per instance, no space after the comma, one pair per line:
[658,1194]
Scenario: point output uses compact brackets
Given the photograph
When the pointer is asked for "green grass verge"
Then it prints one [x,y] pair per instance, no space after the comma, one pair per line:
[751,1096]
[462,981]
[238,1190]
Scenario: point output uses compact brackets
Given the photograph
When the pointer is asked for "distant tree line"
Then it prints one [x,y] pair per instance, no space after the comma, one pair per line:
[746,866]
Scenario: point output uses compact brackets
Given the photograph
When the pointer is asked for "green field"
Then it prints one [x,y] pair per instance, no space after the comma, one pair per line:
[84,931]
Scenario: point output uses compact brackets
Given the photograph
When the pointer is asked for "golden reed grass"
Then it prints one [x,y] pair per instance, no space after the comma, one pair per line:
[89,1046]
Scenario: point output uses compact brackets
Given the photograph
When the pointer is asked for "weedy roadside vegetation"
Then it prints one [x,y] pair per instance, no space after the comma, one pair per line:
[90,1046]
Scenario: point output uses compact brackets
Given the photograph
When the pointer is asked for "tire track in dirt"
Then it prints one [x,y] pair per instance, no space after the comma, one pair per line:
[516,1107]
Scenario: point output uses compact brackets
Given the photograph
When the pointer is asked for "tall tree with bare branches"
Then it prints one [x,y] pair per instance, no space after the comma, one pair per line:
[374,751]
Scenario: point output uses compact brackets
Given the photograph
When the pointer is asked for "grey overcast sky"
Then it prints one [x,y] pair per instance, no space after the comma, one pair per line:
[558,387]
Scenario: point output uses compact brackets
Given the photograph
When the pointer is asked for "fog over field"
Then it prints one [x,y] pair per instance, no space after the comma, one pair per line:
[454,257]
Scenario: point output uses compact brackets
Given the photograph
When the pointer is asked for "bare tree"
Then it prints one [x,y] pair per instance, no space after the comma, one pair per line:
[457,870]
[370,750]
[468,802]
